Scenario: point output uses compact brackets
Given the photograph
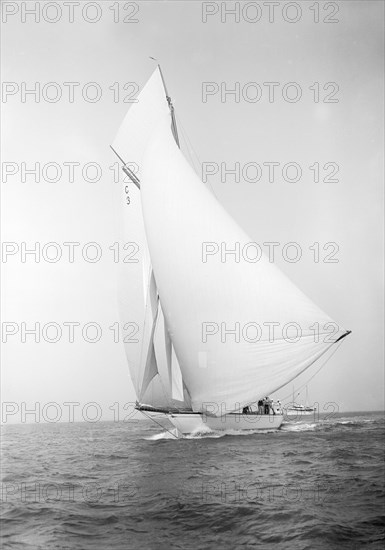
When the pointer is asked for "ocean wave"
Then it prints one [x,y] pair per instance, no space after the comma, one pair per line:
[309,485]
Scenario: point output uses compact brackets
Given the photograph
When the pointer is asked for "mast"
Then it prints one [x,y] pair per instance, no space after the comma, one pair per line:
[126,169]
[171,106]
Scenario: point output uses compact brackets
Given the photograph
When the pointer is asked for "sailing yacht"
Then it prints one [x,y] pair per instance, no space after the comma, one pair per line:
[294,409]
[168,215]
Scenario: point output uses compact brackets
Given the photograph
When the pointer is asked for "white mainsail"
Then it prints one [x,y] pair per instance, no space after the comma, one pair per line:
[194,293]
[180,214]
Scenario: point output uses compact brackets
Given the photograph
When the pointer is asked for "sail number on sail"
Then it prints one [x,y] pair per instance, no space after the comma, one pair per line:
[127,195]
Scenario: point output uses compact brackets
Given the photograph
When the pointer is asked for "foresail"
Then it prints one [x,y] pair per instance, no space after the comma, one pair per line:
[138,297]
[177,390]
[167,362]
[148,367]
[213,308]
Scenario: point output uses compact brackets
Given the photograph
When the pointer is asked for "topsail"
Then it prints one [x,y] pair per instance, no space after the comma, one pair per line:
[201,333]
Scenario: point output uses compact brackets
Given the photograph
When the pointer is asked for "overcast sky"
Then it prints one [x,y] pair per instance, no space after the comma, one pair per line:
[345,131]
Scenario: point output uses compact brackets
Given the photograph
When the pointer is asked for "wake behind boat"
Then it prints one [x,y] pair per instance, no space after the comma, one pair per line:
[183,366]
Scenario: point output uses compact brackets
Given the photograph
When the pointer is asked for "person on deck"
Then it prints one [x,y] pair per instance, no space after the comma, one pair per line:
[266,405]
[260,406]
[270,405]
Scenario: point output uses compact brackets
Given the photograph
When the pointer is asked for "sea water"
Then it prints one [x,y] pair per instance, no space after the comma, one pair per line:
[317,483]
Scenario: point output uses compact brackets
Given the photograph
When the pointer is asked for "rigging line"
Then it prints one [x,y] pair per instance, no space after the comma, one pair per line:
[163,428]
[317,371]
